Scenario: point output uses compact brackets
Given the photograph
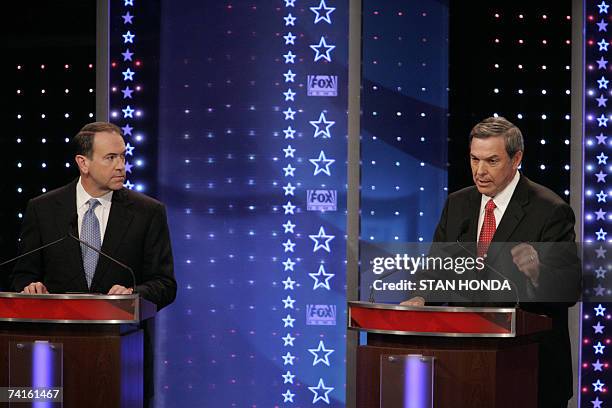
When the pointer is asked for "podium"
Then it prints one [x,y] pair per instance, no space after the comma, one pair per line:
[476,356]
[89,346]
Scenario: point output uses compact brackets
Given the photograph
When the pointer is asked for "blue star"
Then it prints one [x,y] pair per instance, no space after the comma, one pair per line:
[289,3]
[128,167]
[321,236]
[599,310]
[320,55]
[321,359]
[288,395]
[322,126]
[127,92]
[128,185]
[602,121]
[289,189]
[321,278]
[288,358]
[603,45]
[128,75]
[289,95]
[289,264]
[322,168]
[288,303]
[603,7]
[597,366]
[127,130]
[603,82]
[289,171]
[127,18]
[289,114]
[601,177]
[289,246]
[129,149]
[288,377]
[289,38]
[602,158]
[598,386]
[322,12]
[601,139]
[289,151]
[602,26]
[601,234]
[600,273]
[597,403]
[289,226]
[128,37]
[600,214]
[128,112]
[127,55]
[289,208]
[289,58]
[318,395]
[599,290]
[128,3]
[598,328]
[289,76]
[601,63]
[289,133]
[288,339]
[289,20]
[288,285]
[601,101]
[601,252]
[288,321]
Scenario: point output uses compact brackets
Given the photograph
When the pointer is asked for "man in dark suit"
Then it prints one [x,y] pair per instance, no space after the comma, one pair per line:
[126,225]
[505,210]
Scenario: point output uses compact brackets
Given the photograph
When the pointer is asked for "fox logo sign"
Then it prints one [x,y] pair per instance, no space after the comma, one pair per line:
[321,315]
[321,200]
[322,85]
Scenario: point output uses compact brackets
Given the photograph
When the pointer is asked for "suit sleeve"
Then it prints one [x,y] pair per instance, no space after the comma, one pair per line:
[158,283]
[30,268]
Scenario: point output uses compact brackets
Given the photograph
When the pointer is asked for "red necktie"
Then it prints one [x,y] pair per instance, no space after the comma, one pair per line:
[488,229]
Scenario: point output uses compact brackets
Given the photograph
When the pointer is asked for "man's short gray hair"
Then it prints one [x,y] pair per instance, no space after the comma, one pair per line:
[499,126]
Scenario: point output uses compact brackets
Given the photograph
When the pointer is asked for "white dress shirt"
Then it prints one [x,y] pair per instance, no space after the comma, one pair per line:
[102,211]
[501,200]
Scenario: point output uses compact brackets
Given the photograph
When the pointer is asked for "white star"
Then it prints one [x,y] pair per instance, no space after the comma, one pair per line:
[602,82]
[599,348]
[289,246]
[326,163]
[289,189]
[601,234]
[288,358]
[128,112]
[598,386]
[599,310]
[602,158]
[289,95]
[321,359]
[322,12]
[288,396]
[289,171]
[128,37]
[322,126]
[288,284]
[129,149]
[289,264]
[289,58]
[289,38]
[602,121]
[600,273]
[289,151]
[128,185]
[289,226]
[289,208]
[128,3]
[288,340]
[603,45]
[603,7]
[128,75]
[321,278]
[321,236]
[289,114]
[289,3]
[598,328]
[321,396]
[288,377]
[289,133]
[289,76]
[320,55]
[597,366]
[288,321]
[289,20]
[288,303]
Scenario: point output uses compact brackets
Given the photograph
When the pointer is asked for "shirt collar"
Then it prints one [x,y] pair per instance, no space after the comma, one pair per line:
[502,199]
[82,197]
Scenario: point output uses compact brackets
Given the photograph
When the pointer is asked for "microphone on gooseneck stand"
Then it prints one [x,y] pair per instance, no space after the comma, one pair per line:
[40,248]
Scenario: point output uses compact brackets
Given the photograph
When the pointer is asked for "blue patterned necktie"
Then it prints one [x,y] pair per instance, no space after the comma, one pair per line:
[90,233]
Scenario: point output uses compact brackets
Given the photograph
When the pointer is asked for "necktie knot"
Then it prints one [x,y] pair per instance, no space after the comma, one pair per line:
[93,203]
[490,206]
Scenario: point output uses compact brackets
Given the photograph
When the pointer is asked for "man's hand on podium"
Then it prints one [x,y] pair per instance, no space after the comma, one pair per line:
[35,288]
[415,301]
[120,290]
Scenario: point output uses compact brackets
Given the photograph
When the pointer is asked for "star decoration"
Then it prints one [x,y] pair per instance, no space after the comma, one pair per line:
[289,95]
[289,170]
[128,37]
[289,264]
[288,339]
[322,13]
[603,7]
[127,130]
[289,151]
[601,177]
[289,58]
[597,366]
[289,3]
[289,208]
[597,403]
[601,234]
[601,101]
[288,358]
[128,75]
[599,290]
[289,76]
[601,252]
[128,185]
[603,45]
[289,20]
[601,197]
[601,63]
[601,26]
[602,121]
[322,168]
[599,310]
[600,273]
[321,236]
[129,149]
[600,214]
[127,18]
[598,386]
[128,167]
[289,189]
[325,354]
[288,377]
[598,328]
[288,321]
[127,55]
[288,395]
[321,278]
[602,158]
[321,392]
[322,126]
[127,92]
[602,82]
[289,38]
[601,139]
[288,303]
[599,348]
[328,48]
[128,112]
[289,114]
[289,226]
[289,246]
[289,133]
[128,3]
[288,284]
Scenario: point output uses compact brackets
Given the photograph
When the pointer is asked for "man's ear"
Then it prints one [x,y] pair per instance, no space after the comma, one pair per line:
[83,163]
[516,160]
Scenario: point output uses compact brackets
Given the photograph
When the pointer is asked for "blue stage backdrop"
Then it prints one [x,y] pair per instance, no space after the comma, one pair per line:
[252,167]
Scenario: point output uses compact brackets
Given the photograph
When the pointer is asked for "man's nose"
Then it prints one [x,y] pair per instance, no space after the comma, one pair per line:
[482,168]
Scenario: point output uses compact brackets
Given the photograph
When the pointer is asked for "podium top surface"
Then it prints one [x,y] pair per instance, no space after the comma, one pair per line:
[74,308]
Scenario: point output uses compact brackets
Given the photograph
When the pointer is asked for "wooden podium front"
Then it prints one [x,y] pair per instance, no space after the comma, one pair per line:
[101,343]
[484,357]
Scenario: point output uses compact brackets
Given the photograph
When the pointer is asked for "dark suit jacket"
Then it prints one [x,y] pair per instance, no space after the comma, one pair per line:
[136,234]
[534,215]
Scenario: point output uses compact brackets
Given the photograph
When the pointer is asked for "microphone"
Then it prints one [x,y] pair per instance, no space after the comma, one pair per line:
[40,248]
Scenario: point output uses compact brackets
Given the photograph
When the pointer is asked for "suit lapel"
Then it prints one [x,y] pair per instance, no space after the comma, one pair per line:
[474,209]
[118,222]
